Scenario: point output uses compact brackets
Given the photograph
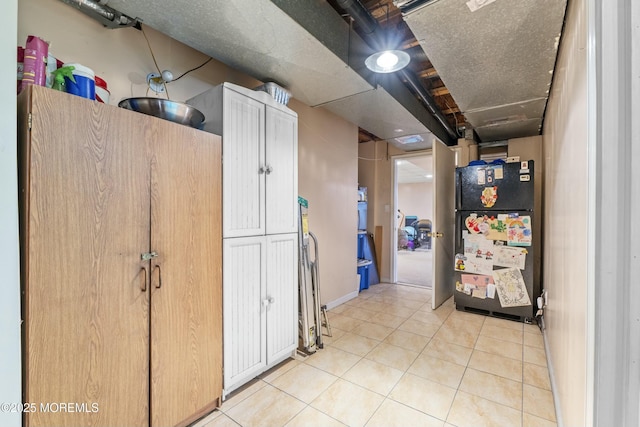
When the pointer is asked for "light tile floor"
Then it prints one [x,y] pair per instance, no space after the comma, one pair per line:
[392,361]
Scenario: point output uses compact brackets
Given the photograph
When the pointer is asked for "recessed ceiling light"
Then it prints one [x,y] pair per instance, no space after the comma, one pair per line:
[398,130]
[387,61]
[409,139]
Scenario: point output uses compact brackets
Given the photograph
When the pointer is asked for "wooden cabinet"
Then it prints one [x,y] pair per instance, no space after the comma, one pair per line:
[260,226]
[121,265]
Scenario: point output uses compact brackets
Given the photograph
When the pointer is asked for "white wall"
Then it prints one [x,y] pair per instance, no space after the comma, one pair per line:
[10,386]
[328,165]
[416,199]
[565,137]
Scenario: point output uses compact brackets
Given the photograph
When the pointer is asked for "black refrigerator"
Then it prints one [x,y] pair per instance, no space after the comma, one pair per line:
[497,241]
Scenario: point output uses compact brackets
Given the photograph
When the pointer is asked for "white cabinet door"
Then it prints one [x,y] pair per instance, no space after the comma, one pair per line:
[282,172]
[244,309]
[243,158]
[282,292]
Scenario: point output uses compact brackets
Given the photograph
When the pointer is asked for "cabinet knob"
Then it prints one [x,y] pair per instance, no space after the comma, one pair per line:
[262,170]
[268,170]
[272,300]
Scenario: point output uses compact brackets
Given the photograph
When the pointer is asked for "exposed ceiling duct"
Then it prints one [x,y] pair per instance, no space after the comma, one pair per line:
[104,14]
[375,37]
[304,46]
[496,57]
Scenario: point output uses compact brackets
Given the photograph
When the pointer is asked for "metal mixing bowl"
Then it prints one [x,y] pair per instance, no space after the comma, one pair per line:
[173,111]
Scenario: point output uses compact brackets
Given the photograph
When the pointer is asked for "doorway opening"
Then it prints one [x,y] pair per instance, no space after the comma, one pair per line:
[412,260]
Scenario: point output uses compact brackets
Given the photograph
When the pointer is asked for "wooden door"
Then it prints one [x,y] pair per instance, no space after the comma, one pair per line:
[282,172]
[443,223]
[282,296]
[245,308]
[186,285]
[244,166]
[85,222]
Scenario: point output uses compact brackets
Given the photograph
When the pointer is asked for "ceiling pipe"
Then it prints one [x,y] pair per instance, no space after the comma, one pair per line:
[102,13]
[373,37]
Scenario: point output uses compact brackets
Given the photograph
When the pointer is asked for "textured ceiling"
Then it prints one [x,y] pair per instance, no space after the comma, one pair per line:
[495,57]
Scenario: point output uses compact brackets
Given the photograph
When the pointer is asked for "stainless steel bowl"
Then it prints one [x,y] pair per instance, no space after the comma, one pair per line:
[166,109]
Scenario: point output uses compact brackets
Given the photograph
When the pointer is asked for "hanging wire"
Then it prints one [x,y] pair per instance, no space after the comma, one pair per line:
[193,69]
[154,60]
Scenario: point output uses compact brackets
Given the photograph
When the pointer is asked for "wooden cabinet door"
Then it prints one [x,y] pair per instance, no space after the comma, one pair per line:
[85,222]
[282,295]
[186,284]
[282,169]
[244,166]
[244,305]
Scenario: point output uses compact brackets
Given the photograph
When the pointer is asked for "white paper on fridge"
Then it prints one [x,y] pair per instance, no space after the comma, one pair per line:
[509,256]
[511,288]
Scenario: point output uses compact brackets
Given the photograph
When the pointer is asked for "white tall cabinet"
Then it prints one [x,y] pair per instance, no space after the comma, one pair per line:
[260,227]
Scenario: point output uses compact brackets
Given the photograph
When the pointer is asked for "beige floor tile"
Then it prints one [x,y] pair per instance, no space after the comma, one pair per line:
[394,414]
[339,309]
[419,328]
[535,355]
[207,419]
[267,407]
[529,420]
[456,336]
[437,370]
[399,310]
[492,387]
[532,328]
[497,365]
[371,330]
[390,355]
[538,402]
[389,320]
[448,351]
[221,421]
[403,302]
[499,347]
[333,360]
[407,340]
[537,376]
[241,394]
[472,411]
[373,376]
[336,334]
[278,370]
[467,317]
[359,313]
[345,323]
[473,324]
[311,417]
[504,334]
[356,344]
[533,340]
[504,323]
[426,396]
[348,403]
[304,382]
[428,317]
[374,305]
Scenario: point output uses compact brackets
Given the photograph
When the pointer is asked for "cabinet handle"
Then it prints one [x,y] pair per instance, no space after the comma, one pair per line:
[262,170]
[271,300]
[143,282]
[159,281]
[269,170]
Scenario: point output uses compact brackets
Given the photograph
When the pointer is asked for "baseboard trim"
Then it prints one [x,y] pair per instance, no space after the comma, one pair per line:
[552,377]
[342,300]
